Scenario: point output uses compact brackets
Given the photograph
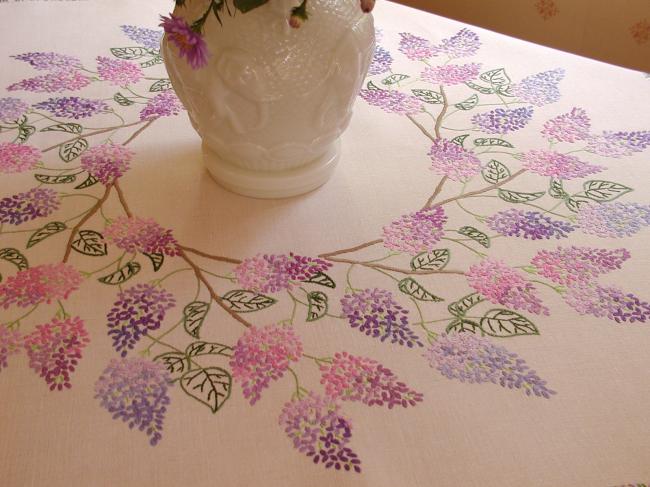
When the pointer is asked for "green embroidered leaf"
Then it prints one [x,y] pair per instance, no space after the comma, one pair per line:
[476,235]
[372,87]
[152,62]
[129,53]
[122,100]
[156,259]
[25,132]
[47,179]
[492,141]
[496,77]
[574,203]
[210,386]
[506,323]
[196,349]
[71,150]
[317,305]
[322,279]
[459,140]
[459,308]
[90,243]
[479,88]
[468,104]
[193,317]
[121,275]
[429,96]
[70,128]
[463,325]
[504,90]
[394,78]
[435,260]
[495,172]
[601,191]
[517,197]
[15,257]
[412,288]
[242,301]
[90,180]
[556,190]
[161,85]
[245,5]
[175,362]
[42,233]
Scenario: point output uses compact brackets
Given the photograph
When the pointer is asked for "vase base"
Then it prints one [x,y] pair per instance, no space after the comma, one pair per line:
[272,184]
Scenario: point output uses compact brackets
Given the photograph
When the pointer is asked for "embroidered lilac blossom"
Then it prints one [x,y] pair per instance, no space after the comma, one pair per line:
[375,313]
[381,61]
[118,71]
[262,355]
[106,162]
[452,160]
[190,44]
[39,284]
[474,359]
[539,89]
[18,157]
[500,284]
[11,109]
[49,61]
[55,82]
[392,101]
[614,219]
[137,311]
[166,104]
[609,302]
[416,48]
[568,127]
[462,44]
[272,273]
[571,265]
[145,37]
[54,350]
[11,342]
[23,207]
[531,225]
[503,121]
[72,107]
[318,429]
[451,74]
[618,144]
[352,378]
[135,390]
[554,164]
[135,234]
[415,232]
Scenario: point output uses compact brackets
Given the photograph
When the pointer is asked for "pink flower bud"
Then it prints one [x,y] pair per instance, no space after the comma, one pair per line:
[367,5]
[295,21]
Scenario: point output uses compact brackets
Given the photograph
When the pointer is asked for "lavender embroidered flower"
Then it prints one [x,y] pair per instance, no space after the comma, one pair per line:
[55,82]
[609,302]
[462,44]
[614,219]
[190,44]
[49,61]
[39,284]
[470,358]
[318,429]
[451,74]
[530,225]
[106,162]
[166,104]
[415,232]
[137,311]
[18,157]
[11,342]
[135,390]
[539,89]
[135,234]
[392,101]
[376,313]
[452,160]
[503,121]
[118,71]
[568,127]
[554,164]
[416,48]
[22,207]
[618,144]
[11,109]
[145,37]
[72,107]
[381,61]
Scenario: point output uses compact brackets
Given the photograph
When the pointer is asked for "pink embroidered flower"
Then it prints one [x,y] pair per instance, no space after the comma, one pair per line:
[452,160]
[144,235]
[55,82]
[451,74]
[262,355]
[609,302]
[501,284]
[40,284]
[166,104]
[614,219]
[190,44]
[11,109]
[49,61]
[352,378]
[18,157]
[462,44]
[106,162]
[118,71]
[415,47]
[618,144]
[11,343]
[568,127]
[32,204]
[392,101]
[415,232]
[54,350]
[554,164]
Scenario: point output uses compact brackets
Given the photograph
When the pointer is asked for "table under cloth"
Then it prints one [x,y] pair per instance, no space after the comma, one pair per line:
[464,303]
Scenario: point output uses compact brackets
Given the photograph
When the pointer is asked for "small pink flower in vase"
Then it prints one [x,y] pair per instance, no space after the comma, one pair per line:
[187,38]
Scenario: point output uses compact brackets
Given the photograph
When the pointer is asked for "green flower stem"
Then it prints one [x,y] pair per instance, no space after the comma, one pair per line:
[61,310]
[459,242]
[480,218]
[163,335]
[87,274]
[136,94]
[16,321]
[300,391]
[318,360]
[558,289]
[158,282]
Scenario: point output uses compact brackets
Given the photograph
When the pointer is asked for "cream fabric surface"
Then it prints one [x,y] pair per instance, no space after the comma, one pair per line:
[594,431]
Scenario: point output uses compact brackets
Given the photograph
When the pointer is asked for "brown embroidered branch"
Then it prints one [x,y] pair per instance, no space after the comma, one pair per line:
[394,269]
[480,191]
[436,192]
[97,132]
[120,196]
[139,131]
[441,115]
[327,255]
[210,256]
[421,127]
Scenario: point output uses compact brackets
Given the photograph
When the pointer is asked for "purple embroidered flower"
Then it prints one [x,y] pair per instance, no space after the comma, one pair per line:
[375,313]
[539,89]
[11,342]
[72,107]
[392,101]
[22,207]
[503,121]
[118,71]
[415,47]
[452,160]
[318,429]
[451,74]
[54,350]
[166,104]
[106,162]
[530,224]
[145,37]
[474,359]
[18,157]
[39,284]
[554,164]
[609,302]
[190,44]
[415,232]
[262,355]
[618,144]
[11,109]
[462,44]
[136,234]
[352,378]
[55,82]
[381,61]
[137,311]
[135,391]
[613,220]
[568,127]
[50,61]
[500,284]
